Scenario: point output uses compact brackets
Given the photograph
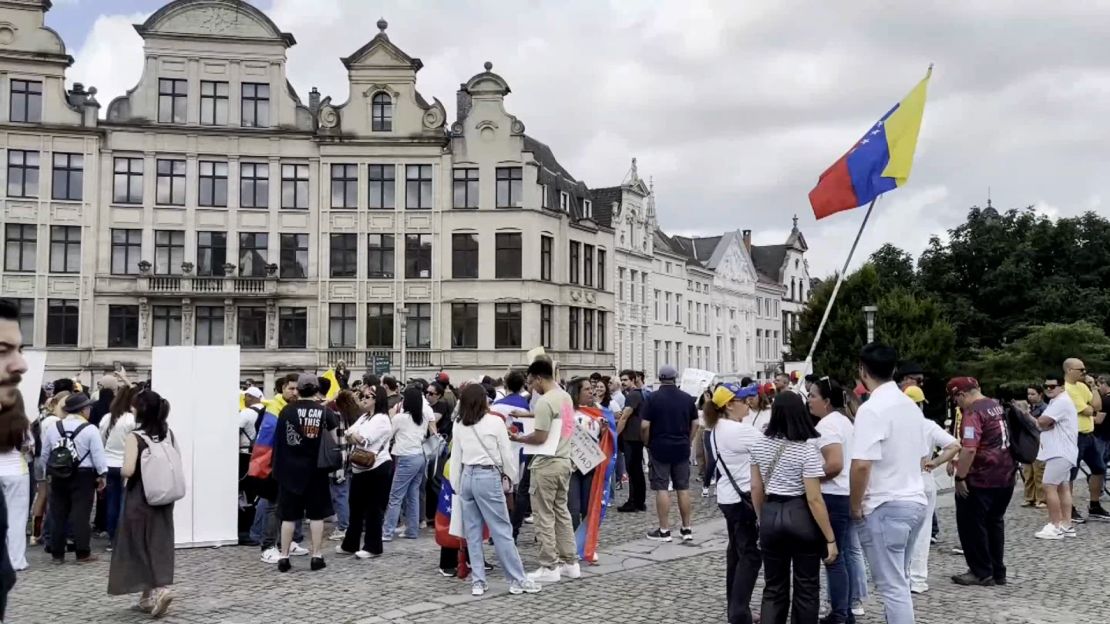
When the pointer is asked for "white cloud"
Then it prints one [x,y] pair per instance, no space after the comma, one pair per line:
[111,58]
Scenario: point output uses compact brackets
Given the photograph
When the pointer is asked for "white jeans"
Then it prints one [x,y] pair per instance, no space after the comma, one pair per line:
[919,565]
[17,495]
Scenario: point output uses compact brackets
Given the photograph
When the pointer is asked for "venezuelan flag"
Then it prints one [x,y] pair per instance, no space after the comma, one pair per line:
[262,455]
[333,390]
[586,538]
[877,163]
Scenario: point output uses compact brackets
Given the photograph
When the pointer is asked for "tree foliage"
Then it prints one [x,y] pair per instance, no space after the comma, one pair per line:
[1043,350]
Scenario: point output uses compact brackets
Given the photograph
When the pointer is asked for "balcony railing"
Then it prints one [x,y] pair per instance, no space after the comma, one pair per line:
[380,360]
[185,285]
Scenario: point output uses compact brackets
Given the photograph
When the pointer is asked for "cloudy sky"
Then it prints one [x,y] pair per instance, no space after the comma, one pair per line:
[734,108]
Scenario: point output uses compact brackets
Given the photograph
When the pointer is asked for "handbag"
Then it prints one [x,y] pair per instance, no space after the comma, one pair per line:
[506,482]
[361,456]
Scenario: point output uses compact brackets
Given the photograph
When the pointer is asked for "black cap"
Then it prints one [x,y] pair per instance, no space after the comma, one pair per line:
[77,402]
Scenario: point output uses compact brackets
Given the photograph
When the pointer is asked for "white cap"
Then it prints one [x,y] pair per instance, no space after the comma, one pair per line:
[253,392]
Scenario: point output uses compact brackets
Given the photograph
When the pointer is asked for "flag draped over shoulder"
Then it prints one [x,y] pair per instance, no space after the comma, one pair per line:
[333,391]
[879,162]
[262,455]
[586,538]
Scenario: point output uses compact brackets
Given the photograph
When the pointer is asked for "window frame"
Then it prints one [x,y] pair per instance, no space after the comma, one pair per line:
[507,319]
[510,187]
[132,248]
[27,247]
[384,319]
[572,334]
[173,246]
[70,319]
[207,319]
[547,314]
[381,253]
[293,256]
[466,179]
[67,170]
[294,319]
[465,261]
[508,260]
[213,102]
[381,112]
[165,314]
[131,177]
[573,259]
[415,180]
[215,180]
[587,329]
[255,177]
[417,339]
[418,255]
[123,326]
[26,319]
[345,175]
[257,103]
[262,250]
[66,242]
[217,269]
[294,178]
[345,256]
[257,315]
[587,265]
[346,314]
[601,330]
[26,188]
[547,250]
[21,89]
[464,325]
[385,176]
[175,172]
[601,259]
[174,93]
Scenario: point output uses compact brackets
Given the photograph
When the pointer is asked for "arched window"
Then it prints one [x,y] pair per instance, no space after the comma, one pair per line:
[381,113]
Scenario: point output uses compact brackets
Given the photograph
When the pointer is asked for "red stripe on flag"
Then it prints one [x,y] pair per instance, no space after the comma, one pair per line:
[834,192]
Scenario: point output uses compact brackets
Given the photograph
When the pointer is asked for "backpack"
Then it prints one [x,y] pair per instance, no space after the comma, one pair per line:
[162,473]
[62,461]
[1024,434]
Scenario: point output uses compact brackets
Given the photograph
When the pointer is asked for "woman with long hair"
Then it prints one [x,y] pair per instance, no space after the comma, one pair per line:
[731,439]
[410,427]
[371,468]
[482,460]
[581,391]
[349,410]
[794,529]
[142,560]
[114,432]
[16,446]
[760,406]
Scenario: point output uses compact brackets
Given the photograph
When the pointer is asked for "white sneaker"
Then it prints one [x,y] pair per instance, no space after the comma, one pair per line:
[705,492]
[337,535]
[857,608]
[296,550]
[1049,532]
[365,554]
[1067,530]
[919,589]
[271,556]
[339,550]
[545,575]
[571,570]
[478,589]
[527,586]
[528,519]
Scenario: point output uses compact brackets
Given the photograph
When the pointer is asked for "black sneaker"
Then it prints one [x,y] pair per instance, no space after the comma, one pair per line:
[284,565]
[1076,517]
[687,534]
[317,563]
[627,508]
[1096,512]
[659,535]
[967,578]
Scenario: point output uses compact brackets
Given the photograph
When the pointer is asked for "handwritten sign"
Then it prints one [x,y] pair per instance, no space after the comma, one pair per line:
[695,381]
[584,451]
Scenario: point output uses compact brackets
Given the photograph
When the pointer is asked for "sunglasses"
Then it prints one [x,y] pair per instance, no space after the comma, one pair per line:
[1051,386]
[1082,370]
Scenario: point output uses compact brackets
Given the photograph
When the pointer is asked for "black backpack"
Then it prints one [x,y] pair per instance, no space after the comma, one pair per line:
[1025,435]
[62,462]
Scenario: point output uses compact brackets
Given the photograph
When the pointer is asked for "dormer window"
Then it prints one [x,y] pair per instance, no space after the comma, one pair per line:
[172,96]
[587,209]
[26,102]
[256,105]
[381,113]
[564,201]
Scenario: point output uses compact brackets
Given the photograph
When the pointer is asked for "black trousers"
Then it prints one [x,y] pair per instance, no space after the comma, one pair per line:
[432,487]
[368,500]
[743,560]
[786,537]
[72,500]
[448,558]
[981,524]
[522,506]
[634,464]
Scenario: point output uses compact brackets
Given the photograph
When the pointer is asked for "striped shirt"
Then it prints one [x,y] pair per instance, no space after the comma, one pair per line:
[799,460]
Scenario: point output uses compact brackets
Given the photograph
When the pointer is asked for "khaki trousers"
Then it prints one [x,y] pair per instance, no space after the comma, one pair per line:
[1033,473]
[551,516]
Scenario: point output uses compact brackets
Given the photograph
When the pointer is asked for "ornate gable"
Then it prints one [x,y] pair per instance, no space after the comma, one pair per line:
[381,53]
[214,18]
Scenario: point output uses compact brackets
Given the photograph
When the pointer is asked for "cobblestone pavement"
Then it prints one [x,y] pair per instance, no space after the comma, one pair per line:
[636,581]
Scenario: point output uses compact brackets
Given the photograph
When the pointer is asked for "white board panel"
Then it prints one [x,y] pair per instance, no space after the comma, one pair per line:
[171,375]
[31,384]
[216,445]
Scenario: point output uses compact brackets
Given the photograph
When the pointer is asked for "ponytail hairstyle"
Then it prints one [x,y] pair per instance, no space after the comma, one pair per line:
[712,414]
[151,413]
[413,403]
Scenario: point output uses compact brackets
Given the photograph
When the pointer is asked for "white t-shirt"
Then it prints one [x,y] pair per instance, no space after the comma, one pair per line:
[247,418]
[933,438]
[759,420]
[408,437]
[835,428]
[1062,440]
[732,444]
[116,438]
[375,431]
[888,433]
[12,464]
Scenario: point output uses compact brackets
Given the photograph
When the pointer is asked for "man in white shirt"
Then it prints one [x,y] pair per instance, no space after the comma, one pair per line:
[1059,424]
[887,493]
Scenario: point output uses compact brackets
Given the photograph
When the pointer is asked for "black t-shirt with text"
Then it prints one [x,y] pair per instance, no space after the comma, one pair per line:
[297,443]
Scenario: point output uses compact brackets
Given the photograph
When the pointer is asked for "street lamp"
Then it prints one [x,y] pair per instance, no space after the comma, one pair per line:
[869,313]
[403,313]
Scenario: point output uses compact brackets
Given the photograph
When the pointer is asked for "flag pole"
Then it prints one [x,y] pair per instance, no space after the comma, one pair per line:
[836,289]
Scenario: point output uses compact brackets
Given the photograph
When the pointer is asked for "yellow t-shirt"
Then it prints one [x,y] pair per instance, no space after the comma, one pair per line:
[1081,395]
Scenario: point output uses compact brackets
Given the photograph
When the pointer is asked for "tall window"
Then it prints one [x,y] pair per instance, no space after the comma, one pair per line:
[508,260]
[344,255]
[165,325]
[507,326]
[632,288]
[341,325]
[573,337]
[293,256]
[27,320]
[464,325]
[418,256]
[68,176]
[464,256]
[253,252]
[465,188]
[171,183]
[252,327]
[26,104]
[546,247]
[546,312]
[20,247]
[292,328]
[127,181]
[254,185]
[509,187]
[380,256]
[172,98]
[127,249]
[211,255]
[418,326]
[587,329]
[620,283]
[344,186]
[213,103]
[381,113]
[210,325]
[418,187]
[61,322]
[169,252]
[564,201]
[657,300]
[587,209]
[588,265]
[256,105]
[600,330]
[213,184]
[383,187]
[65,249]
[575,246]
[379,325]
[23,173]
[123,326]
[601,268]
[294,186]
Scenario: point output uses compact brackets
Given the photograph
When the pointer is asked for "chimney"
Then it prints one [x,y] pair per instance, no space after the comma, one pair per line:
[462,104]
[748,240]
[90,111]
[314,100]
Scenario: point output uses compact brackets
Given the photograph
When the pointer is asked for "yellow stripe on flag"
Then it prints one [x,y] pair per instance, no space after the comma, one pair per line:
[333,391]
[902,128]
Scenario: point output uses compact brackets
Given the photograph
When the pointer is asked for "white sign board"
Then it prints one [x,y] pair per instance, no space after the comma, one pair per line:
[584,451]
[695,381]
[202,387]
[549,446]
[31,384]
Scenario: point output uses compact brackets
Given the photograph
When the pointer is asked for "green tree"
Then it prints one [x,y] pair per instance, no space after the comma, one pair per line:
[1042,350]
[894,267]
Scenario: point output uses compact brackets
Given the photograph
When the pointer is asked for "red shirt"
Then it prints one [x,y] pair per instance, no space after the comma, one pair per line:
[984,429]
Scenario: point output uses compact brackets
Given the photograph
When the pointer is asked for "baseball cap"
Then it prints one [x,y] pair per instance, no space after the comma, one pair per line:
[306,380]
[767,389]
[443,378]
[915,394]
[76,402]
[667,373]
[958,385]
[729,391]
[255,392]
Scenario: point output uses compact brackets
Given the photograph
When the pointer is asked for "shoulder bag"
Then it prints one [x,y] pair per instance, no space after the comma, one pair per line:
[506,482]
[363,457]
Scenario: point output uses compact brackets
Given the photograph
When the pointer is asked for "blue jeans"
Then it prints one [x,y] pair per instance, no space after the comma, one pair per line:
[407,478]
[263,509]
[340,492]
[857,567]
[483,503]
[887,536]
[114,501]
[840,589]
[709,469]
